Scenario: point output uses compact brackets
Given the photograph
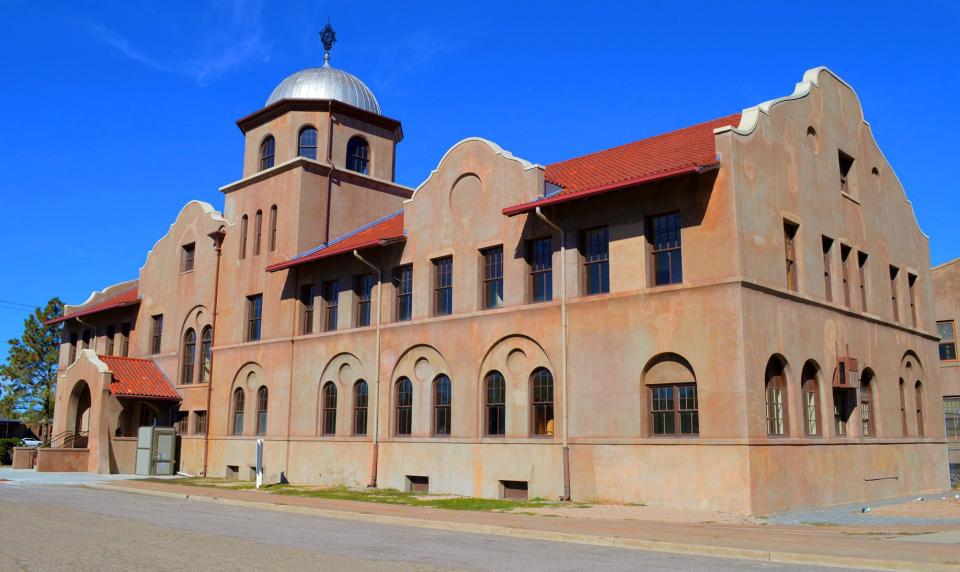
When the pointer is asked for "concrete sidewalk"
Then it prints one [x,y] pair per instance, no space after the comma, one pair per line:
[9,477]
[858,547]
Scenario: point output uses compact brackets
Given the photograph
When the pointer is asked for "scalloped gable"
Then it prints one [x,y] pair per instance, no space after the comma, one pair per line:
[751,117]
[207,209]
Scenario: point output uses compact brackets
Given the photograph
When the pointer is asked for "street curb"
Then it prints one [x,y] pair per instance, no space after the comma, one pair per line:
[613,542]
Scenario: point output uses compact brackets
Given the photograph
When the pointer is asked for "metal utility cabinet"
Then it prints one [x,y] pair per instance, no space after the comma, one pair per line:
[156,448]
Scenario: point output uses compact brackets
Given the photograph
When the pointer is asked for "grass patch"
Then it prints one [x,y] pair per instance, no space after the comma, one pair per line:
[381,496]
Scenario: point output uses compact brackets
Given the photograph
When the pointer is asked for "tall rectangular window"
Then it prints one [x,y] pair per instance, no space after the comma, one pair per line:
[111,332]
[443,286]
[595,248]
[403,287]
[790,249]
[331,299]
[845,163]
[307,295]
[828,268]
[951,416]
[257,232]
[72,357]
[125,339]
[186,257]
[894,303]
[156,334]
[845,273]
[254,316]
[664,237]
[363,289]
[243,236]
[273,228]
[85,340]
[862,273]
[199,422]
[673,410]
[912,291]
[492,277]
[540,257]
[948,340]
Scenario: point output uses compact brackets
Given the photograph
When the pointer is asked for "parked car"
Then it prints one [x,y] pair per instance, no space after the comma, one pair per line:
[30,442]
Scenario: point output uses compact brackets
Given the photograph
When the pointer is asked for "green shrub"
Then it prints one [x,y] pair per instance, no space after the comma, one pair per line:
[6,450]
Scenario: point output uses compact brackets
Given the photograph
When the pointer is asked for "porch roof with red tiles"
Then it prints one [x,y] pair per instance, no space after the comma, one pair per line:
[139,378]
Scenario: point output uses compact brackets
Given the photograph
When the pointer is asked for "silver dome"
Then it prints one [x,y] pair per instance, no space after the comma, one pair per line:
[326,83]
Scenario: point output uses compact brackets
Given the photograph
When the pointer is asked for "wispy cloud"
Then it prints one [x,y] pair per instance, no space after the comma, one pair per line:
[409,56]
[230,35]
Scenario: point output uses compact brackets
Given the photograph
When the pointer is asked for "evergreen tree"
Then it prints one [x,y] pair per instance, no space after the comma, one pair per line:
[29,377]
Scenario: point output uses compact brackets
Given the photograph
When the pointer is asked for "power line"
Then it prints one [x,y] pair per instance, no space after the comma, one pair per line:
[21,304]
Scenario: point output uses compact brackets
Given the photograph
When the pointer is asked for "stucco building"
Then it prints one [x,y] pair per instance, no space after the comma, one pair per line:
[946,294]
[738,314]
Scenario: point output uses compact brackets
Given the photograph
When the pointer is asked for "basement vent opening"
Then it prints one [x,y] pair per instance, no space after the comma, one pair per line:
[233,472]
[418,484]
[513,490]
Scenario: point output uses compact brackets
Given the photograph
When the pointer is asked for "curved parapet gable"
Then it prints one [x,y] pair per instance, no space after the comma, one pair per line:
[100,295]
[752,117]
[205,207]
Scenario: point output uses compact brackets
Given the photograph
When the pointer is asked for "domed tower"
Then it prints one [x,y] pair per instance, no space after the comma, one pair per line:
[320,155]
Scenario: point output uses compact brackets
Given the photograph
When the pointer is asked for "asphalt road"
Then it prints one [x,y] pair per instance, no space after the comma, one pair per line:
[74,528]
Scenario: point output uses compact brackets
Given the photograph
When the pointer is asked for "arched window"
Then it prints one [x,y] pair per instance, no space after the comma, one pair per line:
[441,405]
[903,408]
[257,232]
[673,396]
[541,403]
[329,426]
[189,355]
[404,406]
[273,228]
[307,143]
[243,236]
[262,411]
[358,155]
[267,149]
[495,394]
[238,400]
[360,399]
[775,390]
[206,354]
[868,428]
[810,392]
[918,389]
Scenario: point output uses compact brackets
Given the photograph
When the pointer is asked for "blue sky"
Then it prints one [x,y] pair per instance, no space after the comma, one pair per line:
[114,116]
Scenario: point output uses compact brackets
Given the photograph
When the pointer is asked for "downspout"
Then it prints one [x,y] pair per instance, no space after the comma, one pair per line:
[326,230]
[217,237]
[563,351]
[376,374]
[293,335]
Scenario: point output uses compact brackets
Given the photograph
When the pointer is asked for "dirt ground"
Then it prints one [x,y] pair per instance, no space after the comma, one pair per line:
[637,512]
[935,507]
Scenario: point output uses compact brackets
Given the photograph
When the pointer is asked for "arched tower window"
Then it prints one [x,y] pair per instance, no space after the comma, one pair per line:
[358,155]
[273,228]
[206,354]
[441,405]
[329,409]
[360,399]
[267,149]
[244,222]
[307,143]
[404,407]
[257,232]
[495,396]
[262,411]
[238,399]
[541,403]
[775,390]
[189,355]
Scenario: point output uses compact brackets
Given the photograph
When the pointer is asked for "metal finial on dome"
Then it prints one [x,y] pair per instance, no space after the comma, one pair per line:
[328,37]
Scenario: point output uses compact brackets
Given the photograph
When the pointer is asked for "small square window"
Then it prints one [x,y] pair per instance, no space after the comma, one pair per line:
[846,164]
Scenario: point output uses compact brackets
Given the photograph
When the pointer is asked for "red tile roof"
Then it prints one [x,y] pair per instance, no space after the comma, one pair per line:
[124,298]
[136,377]
[679,152]
[377,233]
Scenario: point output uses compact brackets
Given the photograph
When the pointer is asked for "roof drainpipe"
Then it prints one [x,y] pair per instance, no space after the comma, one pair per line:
[563,350]
[217,237]
[376,374]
